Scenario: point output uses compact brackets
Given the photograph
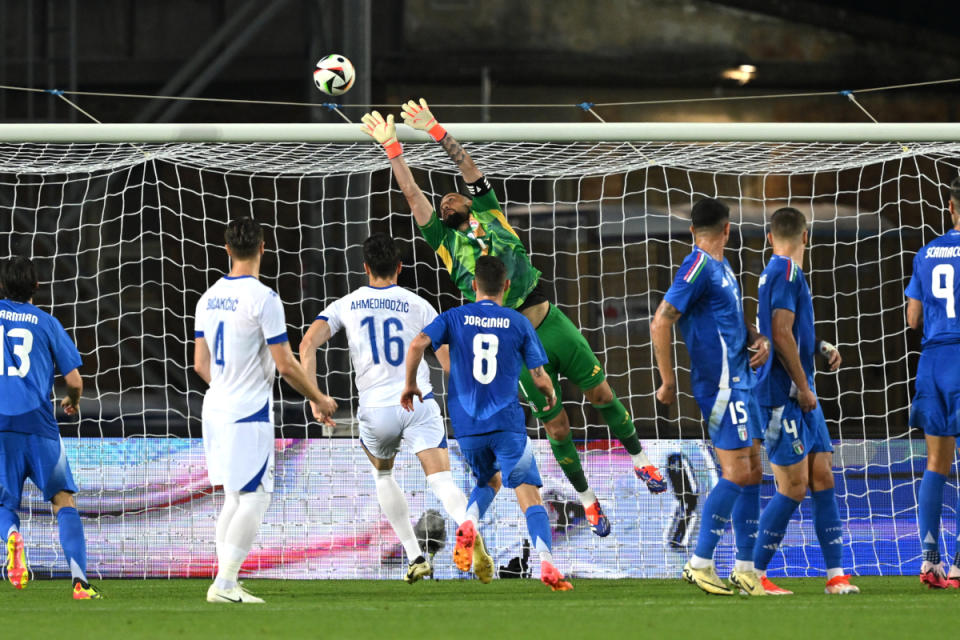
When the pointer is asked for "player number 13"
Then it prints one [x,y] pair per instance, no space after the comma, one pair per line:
[21,351]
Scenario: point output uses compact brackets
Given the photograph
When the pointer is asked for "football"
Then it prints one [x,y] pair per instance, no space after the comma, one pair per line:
[334,74]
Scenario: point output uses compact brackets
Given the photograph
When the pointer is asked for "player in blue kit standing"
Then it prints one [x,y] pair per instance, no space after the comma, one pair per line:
[704,300]
[490,346]
[798,443]
[932,302]
[34,345]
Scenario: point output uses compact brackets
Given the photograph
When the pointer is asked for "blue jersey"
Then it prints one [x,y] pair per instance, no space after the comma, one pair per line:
[705,291]
[782,286]
[936,284]
[489,347]
[35,345]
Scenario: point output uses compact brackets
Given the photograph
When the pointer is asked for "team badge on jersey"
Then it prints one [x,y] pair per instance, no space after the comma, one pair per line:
[798,447]
[742,431]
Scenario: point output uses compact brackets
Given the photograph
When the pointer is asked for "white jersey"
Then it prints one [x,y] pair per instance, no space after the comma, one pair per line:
[381,322]
[238,317]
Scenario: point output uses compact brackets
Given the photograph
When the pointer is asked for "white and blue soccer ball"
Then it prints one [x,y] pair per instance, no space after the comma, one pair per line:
[334,74]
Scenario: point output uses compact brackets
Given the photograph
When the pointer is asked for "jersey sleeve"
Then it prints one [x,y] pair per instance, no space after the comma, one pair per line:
[199,319]
[438,331]
[690,283]
[332,315]
[65,354]
[486,202]
[427,312]
[272,322]
[914,289]
[435,232]
[785,288]
[534,354]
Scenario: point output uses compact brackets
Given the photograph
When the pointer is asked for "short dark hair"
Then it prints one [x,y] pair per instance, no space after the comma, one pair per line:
[787,222]
[19,279]
[709,213]
[490,274]
[380,253]
[955,191]
[243,236]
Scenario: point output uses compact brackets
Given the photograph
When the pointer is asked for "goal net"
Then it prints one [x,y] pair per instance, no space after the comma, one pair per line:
[128,236]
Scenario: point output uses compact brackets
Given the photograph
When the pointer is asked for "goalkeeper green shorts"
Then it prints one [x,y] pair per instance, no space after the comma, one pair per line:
[569,354]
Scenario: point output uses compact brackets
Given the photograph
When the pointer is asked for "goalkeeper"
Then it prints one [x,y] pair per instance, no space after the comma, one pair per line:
[466,229]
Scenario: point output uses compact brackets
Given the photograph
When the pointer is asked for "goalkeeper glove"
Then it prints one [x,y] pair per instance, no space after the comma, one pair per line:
[418,116]
[383,131]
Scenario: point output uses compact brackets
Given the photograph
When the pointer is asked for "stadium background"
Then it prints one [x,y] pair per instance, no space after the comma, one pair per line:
[465,52]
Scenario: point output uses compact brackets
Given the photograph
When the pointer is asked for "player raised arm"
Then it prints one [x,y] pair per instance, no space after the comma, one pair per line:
[74,389]
[419,117]
[414,355]
[788,352]
[296,377]
[661,335]
[385,132]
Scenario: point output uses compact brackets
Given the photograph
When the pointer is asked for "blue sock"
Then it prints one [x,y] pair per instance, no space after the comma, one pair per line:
[480,500]
[538,525]
[746,520]
[715,516]
[8,519]
[826,520]
[773,526]
[929,509]
[72,541]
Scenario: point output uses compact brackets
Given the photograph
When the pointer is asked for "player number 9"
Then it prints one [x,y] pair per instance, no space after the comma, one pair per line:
[943,288]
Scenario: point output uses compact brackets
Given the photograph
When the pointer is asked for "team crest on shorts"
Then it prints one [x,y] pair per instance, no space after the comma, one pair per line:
[798,447]
[742,431]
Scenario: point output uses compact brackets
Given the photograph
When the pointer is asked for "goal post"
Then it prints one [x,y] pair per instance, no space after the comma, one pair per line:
[126,224]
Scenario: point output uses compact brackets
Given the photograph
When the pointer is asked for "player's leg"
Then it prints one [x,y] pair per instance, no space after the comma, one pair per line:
[246,462]
[470,551]
[12,475]
[428,440]
[381,430]
[826,519]
[571,355]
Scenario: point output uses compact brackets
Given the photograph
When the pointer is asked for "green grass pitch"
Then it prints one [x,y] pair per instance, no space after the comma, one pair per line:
[888,608]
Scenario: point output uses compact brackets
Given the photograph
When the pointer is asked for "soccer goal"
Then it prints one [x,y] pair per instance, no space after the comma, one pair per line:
[126,225]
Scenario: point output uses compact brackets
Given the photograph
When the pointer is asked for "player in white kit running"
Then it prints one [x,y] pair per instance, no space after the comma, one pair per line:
[380,320]
[241,341]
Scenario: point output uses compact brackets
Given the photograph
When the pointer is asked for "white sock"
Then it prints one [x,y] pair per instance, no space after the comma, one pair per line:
[743,565]
[700,563]
[587,497]
[640,460]
[231,500]
[240,535]
[13,529]
[473,514]
[449,494]
[394,505]
[833,573]
[954,572]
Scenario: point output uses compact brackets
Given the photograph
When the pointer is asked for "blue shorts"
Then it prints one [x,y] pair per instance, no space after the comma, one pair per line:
[792,435]
[43,460]
[733,418]
[936,405]
[508,452]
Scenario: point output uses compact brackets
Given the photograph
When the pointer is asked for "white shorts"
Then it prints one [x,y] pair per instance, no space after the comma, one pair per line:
[240,455]
[382,428]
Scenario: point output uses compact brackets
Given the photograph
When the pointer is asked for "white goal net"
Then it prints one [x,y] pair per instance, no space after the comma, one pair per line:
[127,237]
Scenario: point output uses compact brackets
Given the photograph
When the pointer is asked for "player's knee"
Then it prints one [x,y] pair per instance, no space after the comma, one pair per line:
[793,488]
[600,394]
[61,500]
[558,428]
[496,482]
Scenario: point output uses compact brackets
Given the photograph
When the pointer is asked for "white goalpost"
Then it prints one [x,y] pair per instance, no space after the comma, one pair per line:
[126,225]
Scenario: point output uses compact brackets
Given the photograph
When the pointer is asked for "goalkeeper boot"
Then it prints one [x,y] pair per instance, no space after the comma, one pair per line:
[85,591]
[652,478]
[932,575]
[419,568]
[599,523]
[237,595]
[17,571]
[707,579]
[551,576]
[772,589]
[463,552]
[840,585]
[482,561]
[748,582]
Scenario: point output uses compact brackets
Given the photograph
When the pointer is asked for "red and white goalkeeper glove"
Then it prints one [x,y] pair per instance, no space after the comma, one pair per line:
[418,116]
[383,131]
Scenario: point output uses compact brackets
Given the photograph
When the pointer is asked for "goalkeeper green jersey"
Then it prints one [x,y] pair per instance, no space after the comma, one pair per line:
[489,234]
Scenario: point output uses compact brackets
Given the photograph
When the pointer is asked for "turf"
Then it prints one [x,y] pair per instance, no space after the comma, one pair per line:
[888,608]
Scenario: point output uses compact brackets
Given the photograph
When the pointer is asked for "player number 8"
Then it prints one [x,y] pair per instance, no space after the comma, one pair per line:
[485,347]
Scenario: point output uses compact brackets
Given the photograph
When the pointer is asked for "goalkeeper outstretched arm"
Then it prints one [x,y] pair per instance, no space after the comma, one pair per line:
[419,117]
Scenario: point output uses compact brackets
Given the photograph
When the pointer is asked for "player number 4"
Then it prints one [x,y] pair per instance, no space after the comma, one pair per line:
[485,348]
[21,351]
[790,426]
[943,287]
